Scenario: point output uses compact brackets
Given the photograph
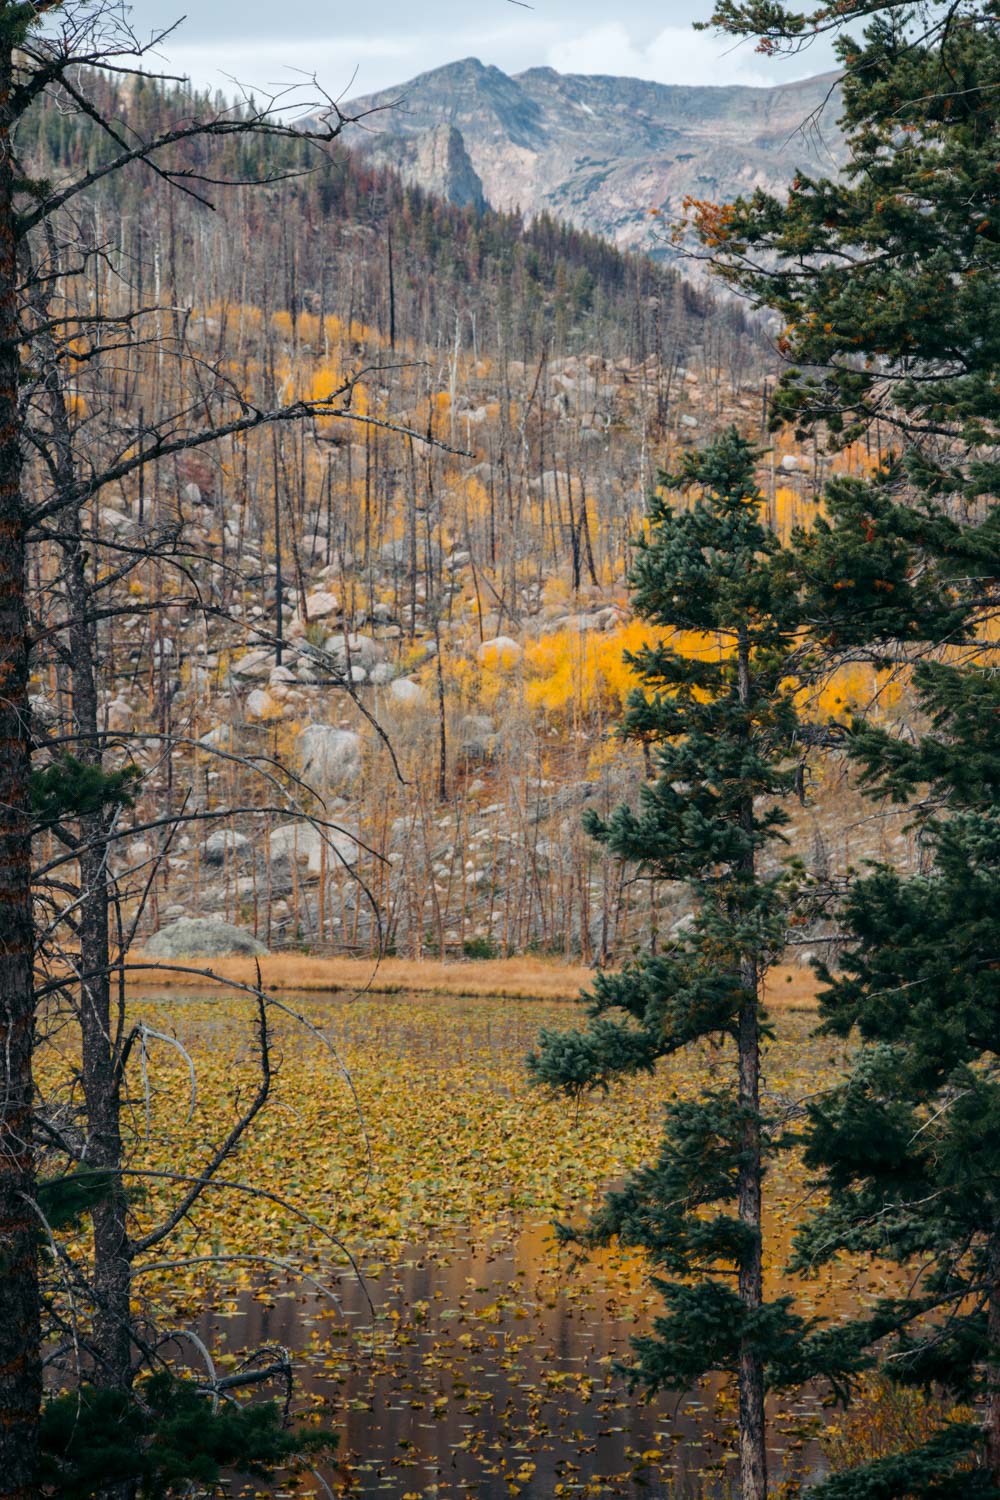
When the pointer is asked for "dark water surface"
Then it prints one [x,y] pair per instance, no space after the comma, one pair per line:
[488,1371]
[482,1362]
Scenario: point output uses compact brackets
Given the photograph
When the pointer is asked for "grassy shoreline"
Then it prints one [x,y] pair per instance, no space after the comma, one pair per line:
[523,978]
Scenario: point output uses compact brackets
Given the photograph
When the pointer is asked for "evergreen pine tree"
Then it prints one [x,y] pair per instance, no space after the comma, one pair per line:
[909,1147]
[886,277]
[888,280]
[722,723]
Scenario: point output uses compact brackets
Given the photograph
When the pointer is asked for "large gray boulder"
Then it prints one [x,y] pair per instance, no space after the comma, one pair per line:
[406,692]
[364,650]
[203,937]
[313,847]
[255,665]
[477,735]
[223,842]
[322,603]
[328,756]
[501,651]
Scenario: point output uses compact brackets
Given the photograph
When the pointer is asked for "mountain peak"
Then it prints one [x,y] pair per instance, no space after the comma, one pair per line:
[465,72]
[602,151]
[473,66]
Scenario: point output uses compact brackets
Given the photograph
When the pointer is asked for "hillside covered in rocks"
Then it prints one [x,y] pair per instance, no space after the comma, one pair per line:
[370,664]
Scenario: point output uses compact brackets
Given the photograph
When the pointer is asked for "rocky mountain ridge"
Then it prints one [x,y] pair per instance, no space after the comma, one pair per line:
[617,156]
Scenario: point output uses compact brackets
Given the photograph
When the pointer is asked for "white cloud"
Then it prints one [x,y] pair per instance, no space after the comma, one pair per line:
[677,54]
[343,65]
[353,64]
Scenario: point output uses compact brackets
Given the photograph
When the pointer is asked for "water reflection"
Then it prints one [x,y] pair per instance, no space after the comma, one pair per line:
[489,1369]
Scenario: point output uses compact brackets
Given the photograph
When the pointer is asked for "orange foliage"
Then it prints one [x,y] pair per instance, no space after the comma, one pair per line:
[791,510]
[583,670]
[574,673]
[851,690]
[712,222]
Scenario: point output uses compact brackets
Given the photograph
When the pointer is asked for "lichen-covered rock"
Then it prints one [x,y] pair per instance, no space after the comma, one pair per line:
[219,737]
[321,604]
[311,846]
[476,736]
[120,717]
[222,842]
[260,705]
[328,756]
[255,664]
[406,692]
[501,651]
[203,937]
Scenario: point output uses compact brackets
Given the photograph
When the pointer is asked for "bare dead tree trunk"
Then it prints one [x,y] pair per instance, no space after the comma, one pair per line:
[442,717]
[20,1368]
[279,593]
[109,1341]
[99,1031]
[583,530]
[392,289]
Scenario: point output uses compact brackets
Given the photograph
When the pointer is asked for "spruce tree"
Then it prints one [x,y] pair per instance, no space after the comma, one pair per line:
[887,280]
[721,722]
[886,277]
[909,1147]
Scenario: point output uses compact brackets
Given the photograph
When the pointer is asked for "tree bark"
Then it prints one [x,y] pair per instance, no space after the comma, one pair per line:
[993,1360]
[752,1432]
[111,1340]
[753,1446]
[20,1368]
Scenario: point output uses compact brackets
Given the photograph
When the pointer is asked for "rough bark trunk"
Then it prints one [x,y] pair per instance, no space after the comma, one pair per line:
[20,1369]
[753,1445]
[110,1341]
[993,1365]
[99,1044]
[753,1439]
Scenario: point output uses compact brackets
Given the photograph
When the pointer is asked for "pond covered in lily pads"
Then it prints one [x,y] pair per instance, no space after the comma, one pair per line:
[468,1353]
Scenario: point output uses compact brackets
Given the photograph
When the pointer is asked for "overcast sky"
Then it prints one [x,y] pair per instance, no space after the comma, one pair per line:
[359,48]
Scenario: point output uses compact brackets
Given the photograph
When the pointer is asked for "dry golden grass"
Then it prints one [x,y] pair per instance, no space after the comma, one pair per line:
[513,978]
[789,988]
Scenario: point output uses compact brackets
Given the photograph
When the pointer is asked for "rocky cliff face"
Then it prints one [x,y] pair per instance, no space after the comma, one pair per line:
[435,159]
[613,155]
